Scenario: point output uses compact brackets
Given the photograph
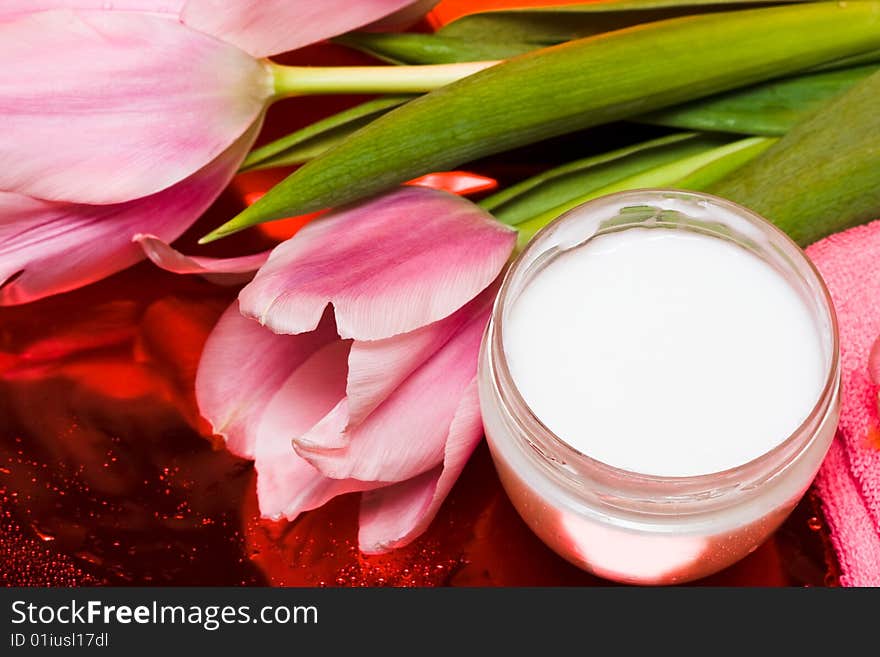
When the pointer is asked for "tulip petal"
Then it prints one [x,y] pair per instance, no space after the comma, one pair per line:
[269,27]
[225,271]
[408,433]
[403,18]
[48,247]
[376,368]
[16,8]
[243,367]
[393,516]
[286,483]
[388,266]
[136,103]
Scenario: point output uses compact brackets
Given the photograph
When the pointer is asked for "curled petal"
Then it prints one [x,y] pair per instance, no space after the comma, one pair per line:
[226,271]
[388,266]
[393,516]
[407,435]
[48,247]
[286,483]
[243,367]
[376,368]
[136,103]
[269,27]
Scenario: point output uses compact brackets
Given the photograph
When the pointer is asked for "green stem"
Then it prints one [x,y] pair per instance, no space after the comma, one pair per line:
[310,80]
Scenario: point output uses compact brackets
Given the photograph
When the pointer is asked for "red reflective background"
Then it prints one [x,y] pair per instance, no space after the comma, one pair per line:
[109,477]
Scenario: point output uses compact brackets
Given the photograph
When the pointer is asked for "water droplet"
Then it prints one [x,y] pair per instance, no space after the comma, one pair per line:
[814,523]
[91,558]
[42,534]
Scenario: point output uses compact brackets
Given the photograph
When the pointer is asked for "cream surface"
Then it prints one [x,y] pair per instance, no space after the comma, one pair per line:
[664,352]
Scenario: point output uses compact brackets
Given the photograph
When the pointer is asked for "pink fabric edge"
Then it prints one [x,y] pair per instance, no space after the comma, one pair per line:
[856,544]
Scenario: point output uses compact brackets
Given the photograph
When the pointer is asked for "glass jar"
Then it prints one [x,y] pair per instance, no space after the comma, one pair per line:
[633,527]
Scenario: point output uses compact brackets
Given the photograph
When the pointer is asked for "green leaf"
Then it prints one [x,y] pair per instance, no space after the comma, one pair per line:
[725,162]
[573,179]
[772,108]
[502,34]
[691,172]
[567,88]
[870,57]
[824,175]
[309,142]
[543,26]
[407,48]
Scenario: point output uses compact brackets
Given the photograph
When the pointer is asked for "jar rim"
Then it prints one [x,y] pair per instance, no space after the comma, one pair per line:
[766,465]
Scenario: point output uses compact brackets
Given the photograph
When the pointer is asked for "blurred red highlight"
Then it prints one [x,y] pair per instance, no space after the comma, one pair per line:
[253,185]
[449,10]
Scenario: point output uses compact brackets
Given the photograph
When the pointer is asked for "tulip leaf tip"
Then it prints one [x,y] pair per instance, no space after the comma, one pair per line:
[215,235]
[239,222]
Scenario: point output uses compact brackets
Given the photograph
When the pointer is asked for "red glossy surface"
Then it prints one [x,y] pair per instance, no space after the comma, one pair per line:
[109,476]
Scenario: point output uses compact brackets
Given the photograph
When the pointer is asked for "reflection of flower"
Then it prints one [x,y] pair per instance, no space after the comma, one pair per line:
[132,122]
[378,394]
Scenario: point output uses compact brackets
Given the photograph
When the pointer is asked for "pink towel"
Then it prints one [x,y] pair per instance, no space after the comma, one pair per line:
[849,481]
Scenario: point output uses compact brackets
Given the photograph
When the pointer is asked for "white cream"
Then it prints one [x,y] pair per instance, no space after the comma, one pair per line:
[664,352]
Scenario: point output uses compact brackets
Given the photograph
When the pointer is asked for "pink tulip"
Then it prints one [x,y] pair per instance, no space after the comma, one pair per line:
[47,247]
[131,117]
[223,271]
[349,362]
[231,271]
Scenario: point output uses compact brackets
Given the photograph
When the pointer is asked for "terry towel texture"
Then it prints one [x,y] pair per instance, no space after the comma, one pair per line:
[849,481]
